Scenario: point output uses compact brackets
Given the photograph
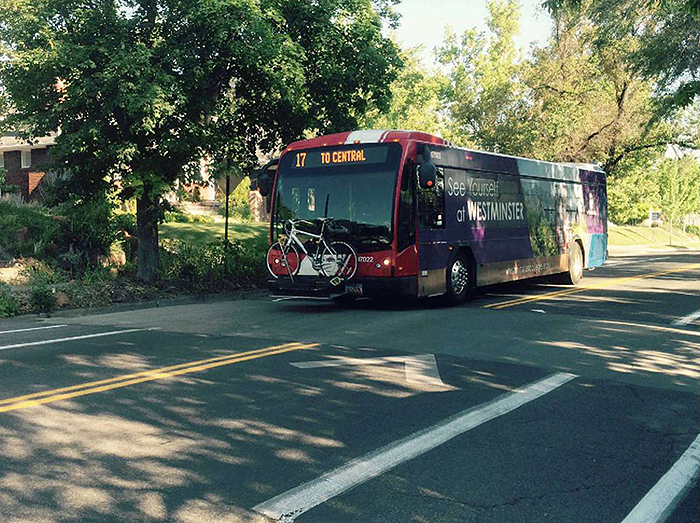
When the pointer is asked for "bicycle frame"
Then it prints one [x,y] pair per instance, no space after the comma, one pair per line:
[322,243]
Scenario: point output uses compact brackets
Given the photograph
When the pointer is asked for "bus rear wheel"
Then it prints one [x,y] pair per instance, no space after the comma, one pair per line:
[460,280]
[575,264]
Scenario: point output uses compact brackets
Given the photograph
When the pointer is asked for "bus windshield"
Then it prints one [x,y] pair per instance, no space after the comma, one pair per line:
[354,184]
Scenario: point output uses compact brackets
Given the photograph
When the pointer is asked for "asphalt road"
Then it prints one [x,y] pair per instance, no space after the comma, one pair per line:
[533,403]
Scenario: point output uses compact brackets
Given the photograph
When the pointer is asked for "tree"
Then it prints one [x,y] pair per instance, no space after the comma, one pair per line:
[415,102]
[669,36]
[588,104]
[141,89]
[485,98]
[679,188]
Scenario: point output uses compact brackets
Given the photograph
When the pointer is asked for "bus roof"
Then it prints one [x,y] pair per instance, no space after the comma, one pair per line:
[367,136]
[470,158]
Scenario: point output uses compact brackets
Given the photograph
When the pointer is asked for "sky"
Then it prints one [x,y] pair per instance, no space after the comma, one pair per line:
[423,22]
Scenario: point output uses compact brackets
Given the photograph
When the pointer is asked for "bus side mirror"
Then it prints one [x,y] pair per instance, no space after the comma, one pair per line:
[264,184]
[426,175]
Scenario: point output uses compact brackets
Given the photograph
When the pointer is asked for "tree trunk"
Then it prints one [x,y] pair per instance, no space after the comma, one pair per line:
[147,225]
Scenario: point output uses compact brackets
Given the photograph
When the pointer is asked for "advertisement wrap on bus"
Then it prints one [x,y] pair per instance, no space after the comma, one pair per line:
[380,213]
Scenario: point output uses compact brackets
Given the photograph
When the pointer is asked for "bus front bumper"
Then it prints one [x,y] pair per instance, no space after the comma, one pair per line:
[309,286]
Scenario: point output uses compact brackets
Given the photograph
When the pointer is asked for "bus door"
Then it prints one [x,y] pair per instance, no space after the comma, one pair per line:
[432,246]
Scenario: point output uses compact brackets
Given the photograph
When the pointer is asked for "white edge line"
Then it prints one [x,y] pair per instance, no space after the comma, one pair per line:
[670,490]
[287,298]
[291,504]
[34,329]
[685,320]
[73,338]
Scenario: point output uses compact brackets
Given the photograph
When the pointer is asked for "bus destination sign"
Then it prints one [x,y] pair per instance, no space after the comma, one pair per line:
[336,157]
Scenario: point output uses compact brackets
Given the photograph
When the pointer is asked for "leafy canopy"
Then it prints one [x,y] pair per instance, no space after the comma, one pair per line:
[142,89]
[669,36]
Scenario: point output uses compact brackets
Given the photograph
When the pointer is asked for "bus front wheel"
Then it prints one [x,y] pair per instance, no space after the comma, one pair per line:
[460,279]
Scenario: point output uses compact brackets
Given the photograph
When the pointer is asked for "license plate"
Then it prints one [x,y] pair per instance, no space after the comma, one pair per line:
[354,288]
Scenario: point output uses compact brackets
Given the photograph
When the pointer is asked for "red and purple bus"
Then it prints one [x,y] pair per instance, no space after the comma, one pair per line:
[428,218]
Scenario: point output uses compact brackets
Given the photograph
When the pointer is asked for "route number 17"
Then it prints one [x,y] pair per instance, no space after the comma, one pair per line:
[301,159]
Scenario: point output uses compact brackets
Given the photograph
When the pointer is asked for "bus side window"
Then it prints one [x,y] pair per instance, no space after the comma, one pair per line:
[406,230]
[431,203]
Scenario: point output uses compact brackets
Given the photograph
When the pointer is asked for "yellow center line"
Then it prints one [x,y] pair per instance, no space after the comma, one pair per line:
[566,292]
[50,396]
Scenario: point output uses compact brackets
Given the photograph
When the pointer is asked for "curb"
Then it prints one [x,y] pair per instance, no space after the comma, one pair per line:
[152,304]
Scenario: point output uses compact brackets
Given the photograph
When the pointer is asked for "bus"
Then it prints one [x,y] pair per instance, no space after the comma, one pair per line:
[427,218]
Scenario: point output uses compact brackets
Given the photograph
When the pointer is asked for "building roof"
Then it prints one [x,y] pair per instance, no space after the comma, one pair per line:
[12,142]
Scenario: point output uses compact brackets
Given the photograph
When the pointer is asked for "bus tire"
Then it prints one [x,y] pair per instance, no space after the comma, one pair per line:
[460,279]
[575,273]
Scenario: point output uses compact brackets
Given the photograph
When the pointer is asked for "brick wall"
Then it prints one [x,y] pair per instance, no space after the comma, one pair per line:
[26,179]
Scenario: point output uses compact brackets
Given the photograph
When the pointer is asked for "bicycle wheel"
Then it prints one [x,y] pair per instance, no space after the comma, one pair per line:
[283,260]
[339,260]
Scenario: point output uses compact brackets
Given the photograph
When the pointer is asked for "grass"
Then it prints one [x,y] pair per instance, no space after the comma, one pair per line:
[202,233]
[627,235]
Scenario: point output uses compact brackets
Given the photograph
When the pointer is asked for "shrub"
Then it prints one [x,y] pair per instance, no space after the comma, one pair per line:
[38,273]
[693,230]
[8,303]
[89,228]
[27,229]
[212,264]
[183,217]
[43,298]
[125,222]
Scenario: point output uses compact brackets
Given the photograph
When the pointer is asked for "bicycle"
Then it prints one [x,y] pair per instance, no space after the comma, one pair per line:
[336,260]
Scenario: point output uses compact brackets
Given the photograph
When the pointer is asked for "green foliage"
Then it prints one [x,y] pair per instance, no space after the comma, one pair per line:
[239,204]
[693,230]
[125,222]
[88,231]
[141,91]
[43,298]
[5,188]
[41,274]
[631,196]
[415,102]
[203,266]
[42,280]
[485,96]
[679,188]
[28,230]
[184,217]
[74,235]
[8,303]
[664,30]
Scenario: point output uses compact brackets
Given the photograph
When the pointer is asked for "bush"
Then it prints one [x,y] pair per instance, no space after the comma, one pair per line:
[89,228]
[125,222]
[28,229]
[183,217]
[8,303]
[78,236]
[693,230]
[38,273]
[204,267]
[43,298]
[4,188]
